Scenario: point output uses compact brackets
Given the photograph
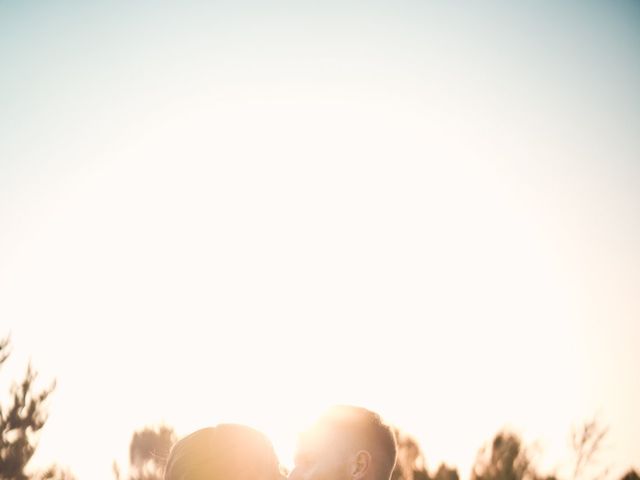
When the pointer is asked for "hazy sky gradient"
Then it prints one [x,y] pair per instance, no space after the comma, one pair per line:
[238,211]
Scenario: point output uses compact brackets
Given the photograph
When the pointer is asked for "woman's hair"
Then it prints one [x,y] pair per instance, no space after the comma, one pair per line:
[225,452]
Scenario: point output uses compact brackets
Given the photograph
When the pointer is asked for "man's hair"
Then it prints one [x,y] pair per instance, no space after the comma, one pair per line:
[225,452]
[366,430]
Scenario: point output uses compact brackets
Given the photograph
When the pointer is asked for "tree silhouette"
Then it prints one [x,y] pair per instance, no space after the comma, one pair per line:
[410,464]
[148,451]
[587,441]
[507,460]
[20,421]
[631,475]
[446,473]
[54,473]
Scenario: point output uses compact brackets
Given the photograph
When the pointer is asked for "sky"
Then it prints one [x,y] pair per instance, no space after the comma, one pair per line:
[249,211]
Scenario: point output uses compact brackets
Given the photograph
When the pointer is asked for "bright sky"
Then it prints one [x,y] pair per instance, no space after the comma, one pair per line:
[218,211]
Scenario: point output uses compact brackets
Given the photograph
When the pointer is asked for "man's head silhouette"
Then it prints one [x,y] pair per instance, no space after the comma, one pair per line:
[346,443]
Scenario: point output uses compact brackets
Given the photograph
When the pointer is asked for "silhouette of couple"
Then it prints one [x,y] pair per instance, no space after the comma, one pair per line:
[346,443]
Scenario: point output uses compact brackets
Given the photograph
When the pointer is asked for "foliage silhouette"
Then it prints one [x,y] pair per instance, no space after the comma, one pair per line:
[20,421]
[631,475]
[54,472]
[587,442]
[446,473]
[148,451]
[410,464]
[507,459]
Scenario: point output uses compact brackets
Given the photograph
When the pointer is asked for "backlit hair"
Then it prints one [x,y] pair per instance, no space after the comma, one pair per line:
[225,452]
[366,430]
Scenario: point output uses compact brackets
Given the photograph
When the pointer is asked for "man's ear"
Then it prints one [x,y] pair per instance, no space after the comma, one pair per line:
[361,465]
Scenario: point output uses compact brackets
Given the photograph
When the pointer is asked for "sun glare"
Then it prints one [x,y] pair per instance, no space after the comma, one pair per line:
[233,187]
[213,213]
